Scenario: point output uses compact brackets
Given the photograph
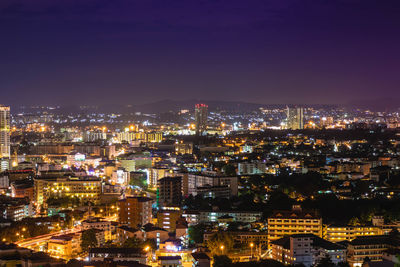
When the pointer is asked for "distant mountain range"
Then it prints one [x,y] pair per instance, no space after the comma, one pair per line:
[378,104]
[169,105]
[232,106]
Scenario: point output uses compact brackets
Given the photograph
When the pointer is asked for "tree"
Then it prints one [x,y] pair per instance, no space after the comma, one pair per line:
[196,233]
[229,170]
[220,243]
[325,262]
[343,264]
[394,232]
[222,261]
[132,242]
[88,240]
[354,221]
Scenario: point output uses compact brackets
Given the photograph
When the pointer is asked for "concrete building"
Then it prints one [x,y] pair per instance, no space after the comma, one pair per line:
[200,259]
[64,246]
[135,161]
[295,118]
[338,233]
[251,168]
[118,254]
[244,237]
[306,249]
[295,221]
[169,191]
[201,180]
[84,188]
[97,223]
[201,116]
[372,247]
[168,217]
[135,211]
[4,132]
[202,216]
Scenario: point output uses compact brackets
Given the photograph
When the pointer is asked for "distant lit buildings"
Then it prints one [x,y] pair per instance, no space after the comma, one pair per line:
[295,118]
[184,148]
[134,162]
[201,115]
[153,137]
[251,168]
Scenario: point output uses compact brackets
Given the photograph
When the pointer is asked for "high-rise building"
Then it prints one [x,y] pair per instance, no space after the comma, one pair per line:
[4,132]
[295,118]
[135,211]
[201,114]
[169,191]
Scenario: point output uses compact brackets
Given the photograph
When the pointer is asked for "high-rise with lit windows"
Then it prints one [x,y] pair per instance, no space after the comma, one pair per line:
[201,114]
[4,132]
[295,118]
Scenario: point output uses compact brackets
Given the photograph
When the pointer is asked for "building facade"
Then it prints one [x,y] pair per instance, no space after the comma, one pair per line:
[135,211]
[86,189]
[295,221]
[4,132]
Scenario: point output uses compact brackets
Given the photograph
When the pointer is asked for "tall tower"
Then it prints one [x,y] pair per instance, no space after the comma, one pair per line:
[4,132]
[201,114]
[295,118]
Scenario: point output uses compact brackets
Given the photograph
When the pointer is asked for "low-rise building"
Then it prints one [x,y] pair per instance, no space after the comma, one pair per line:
[84,188]
[371,247]
[97,223]
[203,216]
[169,261]
[307,249]
[244,238]
[337,233]
[118,254]
[167,218]
[296,221]
[200,259]
[64,246]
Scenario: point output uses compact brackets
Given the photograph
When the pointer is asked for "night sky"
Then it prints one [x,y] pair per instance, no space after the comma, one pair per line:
[138,51]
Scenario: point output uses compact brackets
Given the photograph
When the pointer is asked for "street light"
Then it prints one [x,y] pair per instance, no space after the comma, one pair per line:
[222,249]
[251,247]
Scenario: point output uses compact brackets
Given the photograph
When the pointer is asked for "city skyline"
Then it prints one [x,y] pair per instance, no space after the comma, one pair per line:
[206,133]
[267,52]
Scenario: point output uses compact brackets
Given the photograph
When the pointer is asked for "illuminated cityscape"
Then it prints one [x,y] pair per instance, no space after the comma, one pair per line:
[199,133]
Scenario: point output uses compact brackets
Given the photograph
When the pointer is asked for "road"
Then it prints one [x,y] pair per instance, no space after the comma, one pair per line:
[37,241]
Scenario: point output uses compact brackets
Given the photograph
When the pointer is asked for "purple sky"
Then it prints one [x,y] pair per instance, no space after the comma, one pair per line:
[135,51]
